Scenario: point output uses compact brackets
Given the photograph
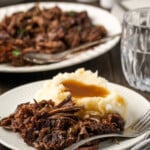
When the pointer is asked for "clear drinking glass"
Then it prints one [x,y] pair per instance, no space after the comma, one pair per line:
[135,48]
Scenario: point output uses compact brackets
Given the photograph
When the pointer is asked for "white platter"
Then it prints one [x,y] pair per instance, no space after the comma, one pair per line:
[98,16]
[137,106]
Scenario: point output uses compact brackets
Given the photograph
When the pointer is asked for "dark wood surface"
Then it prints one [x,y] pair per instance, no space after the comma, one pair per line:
[108,65]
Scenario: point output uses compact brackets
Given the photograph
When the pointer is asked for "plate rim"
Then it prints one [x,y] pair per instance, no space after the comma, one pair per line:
[67,63]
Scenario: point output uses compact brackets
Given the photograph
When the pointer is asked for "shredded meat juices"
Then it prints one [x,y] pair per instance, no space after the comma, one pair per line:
[46,31]
[47,126]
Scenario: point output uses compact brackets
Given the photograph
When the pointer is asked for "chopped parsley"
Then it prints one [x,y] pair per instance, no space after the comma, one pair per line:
[79,28]
[16,52]
[71,13]
[20,32]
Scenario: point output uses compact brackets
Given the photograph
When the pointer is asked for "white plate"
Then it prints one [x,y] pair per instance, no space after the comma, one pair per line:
[137,106]
[99,16]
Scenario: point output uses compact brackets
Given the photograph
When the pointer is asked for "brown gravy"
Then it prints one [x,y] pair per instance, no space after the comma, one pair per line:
[80,90]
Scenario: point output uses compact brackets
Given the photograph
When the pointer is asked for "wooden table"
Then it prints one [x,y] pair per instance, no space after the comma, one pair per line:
[108,65]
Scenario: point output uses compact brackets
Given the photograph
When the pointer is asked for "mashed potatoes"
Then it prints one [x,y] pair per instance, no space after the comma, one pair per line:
[86,89]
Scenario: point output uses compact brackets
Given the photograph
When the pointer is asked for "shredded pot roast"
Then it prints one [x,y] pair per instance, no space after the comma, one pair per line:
[48,127]
[44,30]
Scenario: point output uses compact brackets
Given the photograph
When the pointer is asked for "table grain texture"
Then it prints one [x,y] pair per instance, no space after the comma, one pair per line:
[108,66]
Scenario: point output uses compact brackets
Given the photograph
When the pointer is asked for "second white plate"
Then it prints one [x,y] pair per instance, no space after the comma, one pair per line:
[98,16]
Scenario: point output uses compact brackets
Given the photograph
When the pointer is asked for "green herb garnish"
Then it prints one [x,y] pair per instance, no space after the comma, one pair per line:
[16,52]
[72,13]
[79,28]
[20,32]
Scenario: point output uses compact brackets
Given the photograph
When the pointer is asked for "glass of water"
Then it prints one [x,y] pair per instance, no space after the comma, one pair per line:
[135,48]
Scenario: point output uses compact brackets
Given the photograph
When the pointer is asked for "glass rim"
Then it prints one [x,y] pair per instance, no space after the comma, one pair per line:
[137,9]
[126,14]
